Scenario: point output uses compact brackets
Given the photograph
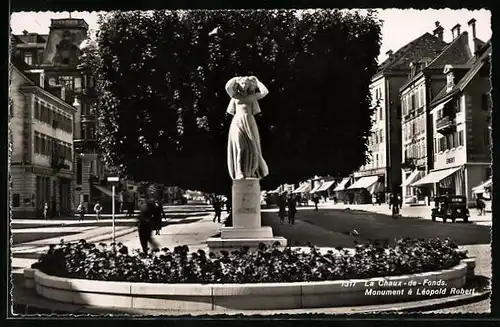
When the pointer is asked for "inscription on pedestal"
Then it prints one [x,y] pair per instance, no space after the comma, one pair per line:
[246,202]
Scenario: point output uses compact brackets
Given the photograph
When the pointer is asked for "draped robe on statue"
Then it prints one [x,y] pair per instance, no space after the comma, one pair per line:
[244,154]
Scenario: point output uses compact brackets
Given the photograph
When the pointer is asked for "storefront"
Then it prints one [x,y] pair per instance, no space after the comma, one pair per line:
[364,188]
[340,189]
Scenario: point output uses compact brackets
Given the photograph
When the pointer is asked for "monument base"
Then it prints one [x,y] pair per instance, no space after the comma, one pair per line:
[251,233]
[216,244]
[247,230]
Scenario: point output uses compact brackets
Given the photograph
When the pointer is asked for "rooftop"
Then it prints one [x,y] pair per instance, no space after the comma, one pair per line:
[426,45]
[479,60]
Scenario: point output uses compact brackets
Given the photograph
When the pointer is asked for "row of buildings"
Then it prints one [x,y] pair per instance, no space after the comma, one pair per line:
[431,124]
[54,157]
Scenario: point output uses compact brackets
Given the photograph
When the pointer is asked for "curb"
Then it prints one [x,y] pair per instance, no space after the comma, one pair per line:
[420,307]
[254,297]
[108,237]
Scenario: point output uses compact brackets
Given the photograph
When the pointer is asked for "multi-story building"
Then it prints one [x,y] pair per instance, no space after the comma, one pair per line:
[426,80]
[41,133]
[57,54]
[383,172]
[461,115]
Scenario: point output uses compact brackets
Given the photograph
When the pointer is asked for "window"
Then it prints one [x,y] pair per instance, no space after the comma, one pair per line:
[460,138]
[79,173]
[381,136]
[16,200]
[381,113]
[37,143]
[66,82]
[39,56]
[485,102]
[85,198]
[28,58]
[487,137]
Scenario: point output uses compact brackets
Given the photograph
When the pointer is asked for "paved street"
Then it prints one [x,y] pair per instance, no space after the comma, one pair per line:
[193,225]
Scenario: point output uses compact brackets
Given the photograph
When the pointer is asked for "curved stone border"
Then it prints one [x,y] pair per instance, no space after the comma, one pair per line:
[271,296]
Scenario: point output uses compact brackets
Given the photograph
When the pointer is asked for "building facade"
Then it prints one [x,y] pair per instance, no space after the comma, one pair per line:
[385,142]
[41,132]
[426,80]
[57,54]
[461,116]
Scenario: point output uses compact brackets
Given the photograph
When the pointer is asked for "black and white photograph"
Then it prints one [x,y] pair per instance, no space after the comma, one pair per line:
[250,162]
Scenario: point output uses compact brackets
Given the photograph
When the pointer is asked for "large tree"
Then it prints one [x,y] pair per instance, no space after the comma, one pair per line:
[162,105]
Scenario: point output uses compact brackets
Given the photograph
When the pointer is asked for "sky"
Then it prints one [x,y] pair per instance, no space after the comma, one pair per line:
[400,27]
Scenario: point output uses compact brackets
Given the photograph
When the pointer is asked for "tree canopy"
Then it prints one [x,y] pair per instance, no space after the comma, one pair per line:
[162,104]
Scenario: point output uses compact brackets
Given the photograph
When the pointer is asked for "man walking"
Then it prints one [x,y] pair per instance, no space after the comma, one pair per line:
[395,204]
[292,210]
[81,211]
[97,210]
[146,225]
[217,208]
[158,215]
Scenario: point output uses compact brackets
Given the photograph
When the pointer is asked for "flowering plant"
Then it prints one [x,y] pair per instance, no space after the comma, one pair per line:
[266,264]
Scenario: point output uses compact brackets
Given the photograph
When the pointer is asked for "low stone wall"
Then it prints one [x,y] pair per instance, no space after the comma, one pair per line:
[196,297]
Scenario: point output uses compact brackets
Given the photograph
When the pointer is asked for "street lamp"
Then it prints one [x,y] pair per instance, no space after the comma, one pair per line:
[113,180]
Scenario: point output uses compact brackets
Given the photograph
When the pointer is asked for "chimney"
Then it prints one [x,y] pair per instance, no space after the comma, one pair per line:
[455,31]
[438,31]
[472,35]
[25,32]
[389,53]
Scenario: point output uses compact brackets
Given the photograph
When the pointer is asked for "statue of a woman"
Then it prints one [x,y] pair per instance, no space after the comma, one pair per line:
[244,154]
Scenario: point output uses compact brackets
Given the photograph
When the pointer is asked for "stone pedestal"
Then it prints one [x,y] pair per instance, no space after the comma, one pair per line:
[247,229]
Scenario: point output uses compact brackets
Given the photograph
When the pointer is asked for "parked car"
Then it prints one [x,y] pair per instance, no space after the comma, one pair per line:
[450,207]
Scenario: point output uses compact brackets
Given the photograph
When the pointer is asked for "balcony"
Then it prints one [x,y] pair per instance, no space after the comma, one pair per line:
[408,164]
[445,125]
[58,162]
[89,118]
[85,145]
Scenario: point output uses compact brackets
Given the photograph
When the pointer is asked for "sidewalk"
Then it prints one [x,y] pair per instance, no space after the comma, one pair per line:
[406,211]
[192,231]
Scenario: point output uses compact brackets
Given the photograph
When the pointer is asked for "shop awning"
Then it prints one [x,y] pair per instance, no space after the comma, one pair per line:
[377,187]
[316,188]
[325,186]
[414,176]
[104,190]
[302,188]
[482,188]
[277,190]
[435,176]
[342,184]
[364,182]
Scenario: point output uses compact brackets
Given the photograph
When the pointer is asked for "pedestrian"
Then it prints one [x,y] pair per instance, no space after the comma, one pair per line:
[315,200]
[335,199]
[81,211]
[228,205]
[217,208]
[480,204]
[46,210]
[158,216]
[97,210]
[394,204]
[281,209]
[292,210]
[145,228]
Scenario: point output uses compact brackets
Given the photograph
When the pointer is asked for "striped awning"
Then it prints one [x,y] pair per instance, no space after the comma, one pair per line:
[482,188]
[302,188]
[325,186]
[342,184]
[364,182]
[415,175]
[436,176]
[316,188]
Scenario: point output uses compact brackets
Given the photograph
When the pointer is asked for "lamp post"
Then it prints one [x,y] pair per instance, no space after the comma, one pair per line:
[113,180]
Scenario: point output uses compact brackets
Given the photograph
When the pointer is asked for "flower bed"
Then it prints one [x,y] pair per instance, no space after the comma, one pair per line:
[84,260]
